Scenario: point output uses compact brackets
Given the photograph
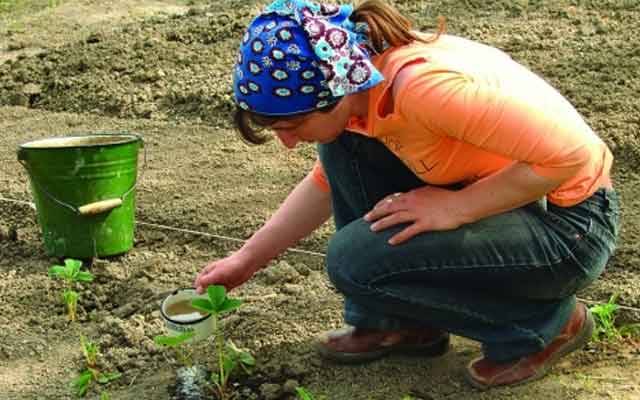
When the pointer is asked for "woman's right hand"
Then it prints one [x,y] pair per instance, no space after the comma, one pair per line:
[231,271]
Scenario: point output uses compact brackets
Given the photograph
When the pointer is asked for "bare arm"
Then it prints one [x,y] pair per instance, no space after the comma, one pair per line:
[505,190]
[305,209]
[430,208]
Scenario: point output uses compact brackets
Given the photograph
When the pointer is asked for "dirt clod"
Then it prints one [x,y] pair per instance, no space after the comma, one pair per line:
[270,391]
[281,273]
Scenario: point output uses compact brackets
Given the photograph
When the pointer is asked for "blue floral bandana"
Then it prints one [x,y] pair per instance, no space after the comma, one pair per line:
[299,55]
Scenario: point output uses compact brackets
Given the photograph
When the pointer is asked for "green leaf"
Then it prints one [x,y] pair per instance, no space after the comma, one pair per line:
[231,347]
[70,296]
[84,276]
[72,263]
[242,356]
[81,383]
[613,298]
[56,271]
[90,351]
[247,359]
[173,341]
[228,365]
[303,394]
[72,266]
[217,295]
[105,396]
[108,377]
[229,304]
[203,305]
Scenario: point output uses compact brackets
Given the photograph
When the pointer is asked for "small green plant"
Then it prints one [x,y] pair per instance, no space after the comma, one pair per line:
[70,273]
[229,356]
[605,318]
[303,394]
[178,343]
[91,372]
[90,352]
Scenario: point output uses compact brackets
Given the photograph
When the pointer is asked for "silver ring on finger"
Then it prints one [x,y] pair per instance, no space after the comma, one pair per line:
[393,197]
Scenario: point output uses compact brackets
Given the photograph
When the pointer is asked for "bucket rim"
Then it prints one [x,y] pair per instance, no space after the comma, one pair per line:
[81,141]
[168,318]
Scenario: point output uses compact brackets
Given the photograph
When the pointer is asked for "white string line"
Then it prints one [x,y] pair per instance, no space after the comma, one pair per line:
[232,239]
[294,250]
[171,228]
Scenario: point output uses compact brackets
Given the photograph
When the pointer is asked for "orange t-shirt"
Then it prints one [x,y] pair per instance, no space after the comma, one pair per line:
[469,110]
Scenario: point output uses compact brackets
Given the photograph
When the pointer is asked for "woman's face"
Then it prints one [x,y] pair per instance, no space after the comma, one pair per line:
[316,127]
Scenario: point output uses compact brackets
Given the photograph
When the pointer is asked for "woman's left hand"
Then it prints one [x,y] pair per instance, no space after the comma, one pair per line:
[427,208]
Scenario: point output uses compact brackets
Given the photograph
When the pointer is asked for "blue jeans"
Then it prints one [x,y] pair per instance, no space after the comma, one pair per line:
[507,281]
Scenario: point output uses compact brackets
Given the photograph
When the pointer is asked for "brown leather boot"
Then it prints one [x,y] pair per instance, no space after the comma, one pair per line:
[485,374]
[350,345]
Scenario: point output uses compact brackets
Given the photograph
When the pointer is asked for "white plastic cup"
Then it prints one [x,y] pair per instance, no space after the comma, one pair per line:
[201,326]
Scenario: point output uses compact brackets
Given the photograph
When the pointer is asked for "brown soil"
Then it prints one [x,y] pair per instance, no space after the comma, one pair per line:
[161,69]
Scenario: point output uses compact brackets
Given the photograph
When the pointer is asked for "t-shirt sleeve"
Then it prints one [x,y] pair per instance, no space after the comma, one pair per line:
[539,128]
[319,178]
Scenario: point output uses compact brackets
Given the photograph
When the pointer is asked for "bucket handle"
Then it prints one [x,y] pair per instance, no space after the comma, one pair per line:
[99,207]
[94,208]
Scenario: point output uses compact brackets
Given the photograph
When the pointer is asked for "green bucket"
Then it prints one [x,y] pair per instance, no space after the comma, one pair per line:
[84,191]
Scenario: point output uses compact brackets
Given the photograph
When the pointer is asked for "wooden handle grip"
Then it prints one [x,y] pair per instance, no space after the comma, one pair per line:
[99,207]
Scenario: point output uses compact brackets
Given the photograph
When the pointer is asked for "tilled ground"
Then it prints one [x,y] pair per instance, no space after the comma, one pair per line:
[165,75]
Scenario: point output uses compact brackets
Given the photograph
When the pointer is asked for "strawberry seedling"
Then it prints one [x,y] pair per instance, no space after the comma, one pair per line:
[70,273]
[606,328]
[229,356]
[178,344]
[91,372]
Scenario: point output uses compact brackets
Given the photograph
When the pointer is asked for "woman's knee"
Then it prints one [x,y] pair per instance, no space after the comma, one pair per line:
[338,262]
[346,260]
